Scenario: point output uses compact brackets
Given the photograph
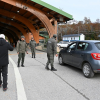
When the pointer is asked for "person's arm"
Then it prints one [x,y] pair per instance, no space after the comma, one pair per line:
[55,48]
[26,48]
[30,44]
[35,44]
[10,47]
[18,46]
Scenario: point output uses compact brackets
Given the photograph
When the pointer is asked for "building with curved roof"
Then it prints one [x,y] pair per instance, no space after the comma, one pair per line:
[24,17]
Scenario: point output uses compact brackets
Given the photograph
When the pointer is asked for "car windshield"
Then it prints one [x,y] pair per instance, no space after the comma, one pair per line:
[98,45]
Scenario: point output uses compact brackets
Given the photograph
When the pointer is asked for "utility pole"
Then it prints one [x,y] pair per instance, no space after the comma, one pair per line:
[78,32]
[57,31]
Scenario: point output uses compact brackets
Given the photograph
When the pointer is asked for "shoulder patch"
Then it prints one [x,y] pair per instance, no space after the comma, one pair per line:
[49,41]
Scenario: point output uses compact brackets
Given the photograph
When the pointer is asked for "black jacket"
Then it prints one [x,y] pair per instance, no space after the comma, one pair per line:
[4,47]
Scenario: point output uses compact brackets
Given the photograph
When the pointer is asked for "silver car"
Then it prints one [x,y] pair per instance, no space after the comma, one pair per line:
[84,55]
[63,44]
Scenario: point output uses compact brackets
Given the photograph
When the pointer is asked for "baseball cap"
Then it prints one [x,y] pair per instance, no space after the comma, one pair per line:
[54,35]
[22,37]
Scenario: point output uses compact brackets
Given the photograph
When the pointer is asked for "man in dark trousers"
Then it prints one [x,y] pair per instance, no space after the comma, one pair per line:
[32,45]
[51,51]
[4,47]
[21,49]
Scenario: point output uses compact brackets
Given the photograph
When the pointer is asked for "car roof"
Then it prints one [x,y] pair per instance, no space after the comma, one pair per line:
[89,41]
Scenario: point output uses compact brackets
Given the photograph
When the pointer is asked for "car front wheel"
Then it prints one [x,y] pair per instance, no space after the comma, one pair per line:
[61,60]
[87,70]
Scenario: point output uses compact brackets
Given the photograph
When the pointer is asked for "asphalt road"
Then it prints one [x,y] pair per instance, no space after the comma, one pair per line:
[67,83]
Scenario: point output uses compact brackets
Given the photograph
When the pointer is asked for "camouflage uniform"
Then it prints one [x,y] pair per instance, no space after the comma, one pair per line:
[51,51]
[21,48]
[32,45]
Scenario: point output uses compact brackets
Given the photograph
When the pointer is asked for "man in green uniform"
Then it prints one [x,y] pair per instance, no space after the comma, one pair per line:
[32,45]
[21,49]
[51,51]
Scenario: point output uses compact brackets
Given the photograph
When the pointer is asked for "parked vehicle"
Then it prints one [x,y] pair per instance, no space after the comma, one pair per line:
[84,55]
[63,44]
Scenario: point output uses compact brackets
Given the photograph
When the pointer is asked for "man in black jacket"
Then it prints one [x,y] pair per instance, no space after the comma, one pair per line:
[4,61]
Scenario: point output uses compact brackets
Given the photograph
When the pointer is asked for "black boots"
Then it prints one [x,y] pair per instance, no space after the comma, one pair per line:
[53,69]
[5,89]
[47,67]
[32,56]
[22,65]
[18,65]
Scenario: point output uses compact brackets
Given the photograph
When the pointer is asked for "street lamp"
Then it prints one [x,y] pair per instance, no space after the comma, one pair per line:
[78,32]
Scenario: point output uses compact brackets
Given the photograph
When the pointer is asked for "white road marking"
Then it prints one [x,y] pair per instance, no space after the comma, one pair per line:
[19,84]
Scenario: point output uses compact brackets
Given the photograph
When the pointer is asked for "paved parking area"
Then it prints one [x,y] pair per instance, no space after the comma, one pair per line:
[33,82]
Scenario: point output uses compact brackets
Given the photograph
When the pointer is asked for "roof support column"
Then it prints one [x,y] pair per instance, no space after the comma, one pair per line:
[55,26]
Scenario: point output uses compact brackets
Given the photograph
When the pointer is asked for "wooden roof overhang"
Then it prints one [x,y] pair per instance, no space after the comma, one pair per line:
[48,10]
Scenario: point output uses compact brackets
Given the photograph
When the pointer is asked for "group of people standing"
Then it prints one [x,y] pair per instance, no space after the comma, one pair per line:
[21,49]
[51,51]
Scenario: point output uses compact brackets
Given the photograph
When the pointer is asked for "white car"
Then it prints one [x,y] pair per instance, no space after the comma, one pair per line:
[63,44]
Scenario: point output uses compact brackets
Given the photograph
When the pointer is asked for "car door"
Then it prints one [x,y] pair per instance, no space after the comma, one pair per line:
[79,54]
[67,56]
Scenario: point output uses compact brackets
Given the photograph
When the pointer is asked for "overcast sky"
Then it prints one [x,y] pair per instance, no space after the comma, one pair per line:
[78,8]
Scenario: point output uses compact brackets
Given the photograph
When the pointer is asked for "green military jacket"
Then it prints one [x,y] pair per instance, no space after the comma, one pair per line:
[52,46]
[32,44]
[21,47]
